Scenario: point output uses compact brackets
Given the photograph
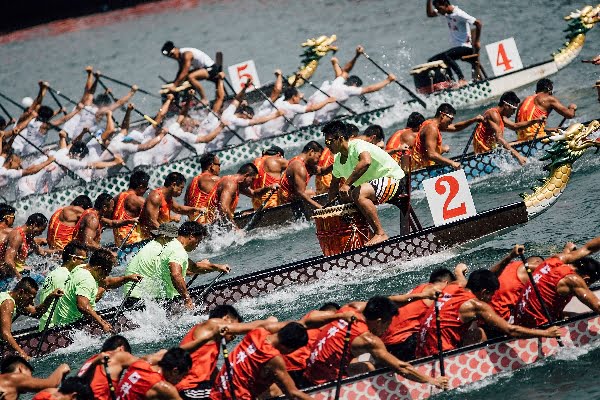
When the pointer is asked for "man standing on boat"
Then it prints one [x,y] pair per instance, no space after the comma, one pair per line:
[198,191]
[294,182]
[271,166]
[128,206]
[559,279]
[428,147]
[490,131]
[371,175]
[404,139]
[462,41]
[539,106]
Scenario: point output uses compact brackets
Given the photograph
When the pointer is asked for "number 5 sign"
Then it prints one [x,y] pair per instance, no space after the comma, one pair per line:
[240,73]
[449,197]
[504,56]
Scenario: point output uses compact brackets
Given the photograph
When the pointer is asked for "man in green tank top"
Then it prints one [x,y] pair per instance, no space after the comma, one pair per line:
[21,299]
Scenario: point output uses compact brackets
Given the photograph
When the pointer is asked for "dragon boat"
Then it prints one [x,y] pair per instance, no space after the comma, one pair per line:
[567,147]
[432,81]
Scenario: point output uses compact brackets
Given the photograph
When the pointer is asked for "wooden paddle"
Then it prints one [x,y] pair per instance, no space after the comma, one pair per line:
[14,103]
[203,294]
[124,242]
[338,103]
[338,382]
[111,386]
[532,143]
[228,367]
[115,318]
[466,149]
[128,85]
[254,219]
[38,349]
[438,329]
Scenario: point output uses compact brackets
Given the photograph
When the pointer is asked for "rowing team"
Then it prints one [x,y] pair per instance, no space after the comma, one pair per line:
[512,298]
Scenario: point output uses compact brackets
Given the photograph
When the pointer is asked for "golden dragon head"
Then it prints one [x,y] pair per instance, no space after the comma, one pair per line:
[314,50]
[570,144]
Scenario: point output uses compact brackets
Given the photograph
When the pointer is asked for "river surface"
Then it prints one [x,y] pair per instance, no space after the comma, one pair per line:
[400,36]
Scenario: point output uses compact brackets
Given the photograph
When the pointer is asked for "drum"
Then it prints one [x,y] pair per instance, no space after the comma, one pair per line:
[341,228]
[431,77]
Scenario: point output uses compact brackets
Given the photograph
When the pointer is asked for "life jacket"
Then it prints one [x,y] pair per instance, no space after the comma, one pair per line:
[326,355]
[262,180]
[505,299]
[213,207]
[204,361]
[285,188]
[407,321]
[119,214]
[77,233]
[547,275]
[98,383]
[420,158]
[452,328]
[322,182]
[247,361]
[137,381]
[59,234]
[296,360]
[394,142]
[164,215]
[527,112]
[22,253]
[484,139]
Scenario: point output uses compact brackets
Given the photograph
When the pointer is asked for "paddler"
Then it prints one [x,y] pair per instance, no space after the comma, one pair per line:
[17,247]
[74,254]
[371,175]
[560,278]
[294,182]
[537,107]
[7,220]
[85,285]
[462,41]
[372,320]
[21,300]
[128,206]
[88,228]
[198,191]
[16,378]
[490,131]
[428,147]
[404,139]
[69,389]
[160,202]
[271,165]
[62,223]
[459,307]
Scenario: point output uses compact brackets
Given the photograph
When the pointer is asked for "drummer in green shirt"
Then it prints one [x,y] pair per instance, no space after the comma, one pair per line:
[83,287]
[370,175]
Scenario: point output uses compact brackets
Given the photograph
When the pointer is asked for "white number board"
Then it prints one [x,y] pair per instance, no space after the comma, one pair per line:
[449,197]
[239,74]
[504,56]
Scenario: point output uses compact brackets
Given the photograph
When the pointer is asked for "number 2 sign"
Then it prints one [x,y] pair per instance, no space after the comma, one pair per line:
[449,197]
[240,73]
[504,56]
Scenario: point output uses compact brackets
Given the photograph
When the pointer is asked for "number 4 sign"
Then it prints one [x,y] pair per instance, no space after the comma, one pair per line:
[504,56]
[449,197]
[240,73]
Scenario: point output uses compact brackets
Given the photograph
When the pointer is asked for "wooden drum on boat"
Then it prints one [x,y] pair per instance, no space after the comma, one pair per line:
[341,228]
[431,77]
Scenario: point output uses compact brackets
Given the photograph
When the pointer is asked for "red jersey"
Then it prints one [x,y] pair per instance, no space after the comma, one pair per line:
[194,196]
[164,214]
[59,234]
[395,142]
[43,396]
[247,360]
[323,182]
[22,253]
[506,298]
[120,214]
[98,383]
[485,137]
[527,112]
[547,275]
[285,188]
[137,381]
[452,328]
[204,361]
[262,180]
[78,232]
[420,158]
[324,362]
[214,201]
[296,360]
[407,321]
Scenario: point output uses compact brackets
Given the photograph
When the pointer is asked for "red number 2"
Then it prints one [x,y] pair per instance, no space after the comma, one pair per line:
[502,58]
[453,186]
[242,74]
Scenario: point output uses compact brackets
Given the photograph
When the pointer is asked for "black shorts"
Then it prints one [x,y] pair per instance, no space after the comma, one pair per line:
[201,391]
[213,71]
[404,351]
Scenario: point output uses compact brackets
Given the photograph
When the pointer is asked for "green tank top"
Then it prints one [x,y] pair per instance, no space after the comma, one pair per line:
[6,296]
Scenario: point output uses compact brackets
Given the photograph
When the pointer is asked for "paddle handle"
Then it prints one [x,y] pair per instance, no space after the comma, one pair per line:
[228,370]
[466,149]
[126,238]
[338,383]
[438,328]
[128,85]
[532,144]
[14,103]
[115,318]
[252,221]
[328,96]
[46,326]
[111,386]
[207,289]
[264,96]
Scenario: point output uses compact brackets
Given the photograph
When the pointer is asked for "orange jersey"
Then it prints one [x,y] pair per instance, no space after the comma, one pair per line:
[395,142]
[527,112]
[78,232]
[408,320]
[59,234]
[164,215]
[204,361]
[264,179]
[323,182]
[137,381]
[420,158]
[214,201]
[296,360]
[22,253]
[507,296]
[285,188]
[196,197]
[119,214]
[98,383]
[484,139]
[43,396]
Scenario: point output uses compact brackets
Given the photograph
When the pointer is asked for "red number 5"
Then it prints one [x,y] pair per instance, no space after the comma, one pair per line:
[451,185]
[242,75]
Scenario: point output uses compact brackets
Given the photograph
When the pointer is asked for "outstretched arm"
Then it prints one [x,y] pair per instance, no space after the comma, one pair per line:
[283,379]
[567,112]
[337,70]
[580,289]
[26,383]
[379,85]
[164,109]
[499,267]
[124,99]
[278,86]
[589,248]
[459,126]
[68,116]
[350,64]
[431,12]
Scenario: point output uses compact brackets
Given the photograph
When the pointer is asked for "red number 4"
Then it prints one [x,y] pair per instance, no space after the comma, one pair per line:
[449,183]
[502,58]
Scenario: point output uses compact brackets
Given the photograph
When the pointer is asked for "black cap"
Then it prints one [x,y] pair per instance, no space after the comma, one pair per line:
[167,47]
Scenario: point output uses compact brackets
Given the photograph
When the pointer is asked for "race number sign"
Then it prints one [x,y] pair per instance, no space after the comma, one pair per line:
[504,56]
[240,73]
[449,197]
